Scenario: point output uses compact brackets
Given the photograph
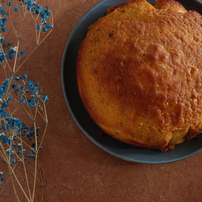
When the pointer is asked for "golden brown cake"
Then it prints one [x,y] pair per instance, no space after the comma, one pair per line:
[139,73]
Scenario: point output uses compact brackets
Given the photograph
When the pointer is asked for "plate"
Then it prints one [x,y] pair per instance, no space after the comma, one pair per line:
[80,115]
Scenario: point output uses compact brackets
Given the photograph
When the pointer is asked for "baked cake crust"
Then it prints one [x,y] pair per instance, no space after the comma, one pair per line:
[139,73]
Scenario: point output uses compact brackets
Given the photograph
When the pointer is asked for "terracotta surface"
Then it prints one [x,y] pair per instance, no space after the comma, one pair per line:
[75,169]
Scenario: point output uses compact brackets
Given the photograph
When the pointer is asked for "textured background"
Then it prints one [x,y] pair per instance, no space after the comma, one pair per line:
[75,168]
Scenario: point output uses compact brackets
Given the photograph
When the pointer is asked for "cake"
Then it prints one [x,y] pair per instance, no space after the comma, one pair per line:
[139,73]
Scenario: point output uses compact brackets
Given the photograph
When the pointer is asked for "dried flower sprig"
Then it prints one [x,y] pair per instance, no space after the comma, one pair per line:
[43,21]
[18,142]
[22,102]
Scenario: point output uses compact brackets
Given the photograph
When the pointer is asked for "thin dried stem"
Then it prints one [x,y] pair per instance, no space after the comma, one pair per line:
[33,51]
[35,173]
[16,178]
[43,135]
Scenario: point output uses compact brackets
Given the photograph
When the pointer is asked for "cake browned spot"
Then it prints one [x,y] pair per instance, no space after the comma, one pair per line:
[139,73]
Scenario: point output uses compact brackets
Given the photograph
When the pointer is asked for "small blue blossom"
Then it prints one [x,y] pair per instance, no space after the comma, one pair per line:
[1,41]
[32,89]
[23,151]
[48,26]
[22,88]
[33,145]
[3,29]
[5,140]
[16,9]
[4,20]
[13,86]
[43,14]
[30,135]
[24,76]
[38,27]
[8,99]
[36,9]
[1,111]
[16,91]
[30,103]
[22,52]
[45,98]
[1,91]
[10,57]
[30,83]
[7,81]
[9,4]
[2,57]
[25,129]
[32,128]
[13,161]
[3,12]
[45,29]
[4,106]
[5,114]
[23,101]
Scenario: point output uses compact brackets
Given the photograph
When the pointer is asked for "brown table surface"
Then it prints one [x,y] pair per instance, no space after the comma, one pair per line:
[75,168]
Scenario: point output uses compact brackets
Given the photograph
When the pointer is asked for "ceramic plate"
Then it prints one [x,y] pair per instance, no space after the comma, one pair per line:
[80,115]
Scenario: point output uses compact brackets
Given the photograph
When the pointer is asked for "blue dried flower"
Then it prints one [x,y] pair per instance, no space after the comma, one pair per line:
[1,41]
[3,29]
[48,26]
[5,140]
[33,145]
[45,29]
[7,81]
[45,98]
[36,9]
[13,86]
[32,128]
[38,27]
[9,4]
[30,83]
[3,12]
[16,9]
[23,101]
[16,91]
[5,114]
[4,106]
[1,91]
[22,52]
[32,89]
[24,76]
[30,103]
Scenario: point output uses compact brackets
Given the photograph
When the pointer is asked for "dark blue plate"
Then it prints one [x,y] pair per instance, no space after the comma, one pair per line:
[80,115]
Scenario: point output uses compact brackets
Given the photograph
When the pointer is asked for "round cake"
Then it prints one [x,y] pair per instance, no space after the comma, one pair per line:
[139,73]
